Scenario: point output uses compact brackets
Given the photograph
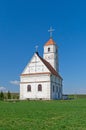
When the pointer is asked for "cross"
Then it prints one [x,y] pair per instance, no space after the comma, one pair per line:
[36,48]
[51,30]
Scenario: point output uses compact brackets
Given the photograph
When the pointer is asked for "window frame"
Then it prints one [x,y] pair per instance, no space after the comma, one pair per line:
[28,88]
[53,88]
[48,49]
[39,87]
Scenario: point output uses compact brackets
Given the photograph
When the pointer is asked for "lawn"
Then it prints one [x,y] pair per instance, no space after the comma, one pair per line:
[43,115]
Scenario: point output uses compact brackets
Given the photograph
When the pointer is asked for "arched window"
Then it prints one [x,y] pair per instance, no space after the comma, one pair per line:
[53,88]
[56,88]
[49,49]
[28,88]
[39,87]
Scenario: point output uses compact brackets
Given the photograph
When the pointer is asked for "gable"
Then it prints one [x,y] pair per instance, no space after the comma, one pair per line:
[35,66]
[51,69]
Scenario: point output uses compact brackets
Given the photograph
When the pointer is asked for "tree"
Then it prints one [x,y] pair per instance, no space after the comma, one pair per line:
[9,95]
[1,95]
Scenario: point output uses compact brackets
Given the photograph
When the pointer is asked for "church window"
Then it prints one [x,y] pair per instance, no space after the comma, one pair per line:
[56,88]
[39,87]
[28,88]
[49,49]
[53,88]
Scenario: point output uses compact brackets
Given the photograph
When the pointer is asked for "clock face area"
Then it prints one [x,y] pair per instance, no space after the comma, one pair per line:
[49,57]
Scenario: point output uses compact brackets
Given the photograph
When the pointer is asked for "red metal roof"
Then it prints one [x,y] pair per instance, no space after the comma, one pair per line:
[50,42]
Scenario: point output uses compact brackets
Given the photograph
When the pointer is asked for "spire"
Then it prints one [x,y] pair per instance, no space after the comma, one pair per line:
[51,31]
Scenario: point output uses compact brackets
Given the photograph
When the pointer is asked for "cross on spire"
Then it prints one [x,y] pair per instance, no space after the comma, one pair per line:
[51,30]
[36,47]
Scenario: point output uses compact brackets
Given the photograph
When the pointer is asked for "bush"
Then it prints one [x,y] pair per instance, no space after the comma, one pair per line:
[9,95]
[1,95]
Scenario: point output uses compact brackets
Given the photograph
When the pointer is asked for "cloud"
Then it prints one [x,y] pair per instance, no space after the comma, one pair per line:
[81,91]
[15,82]
[2,89]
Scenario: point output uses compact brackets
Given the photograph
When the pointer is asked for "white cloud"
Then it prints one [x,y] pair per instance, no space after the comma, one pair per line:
[15,82]
[81,91]
[2,89]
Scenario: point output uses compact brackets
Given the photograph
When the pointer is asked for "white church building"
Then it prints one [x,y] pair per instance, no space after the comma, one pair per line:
[40,80]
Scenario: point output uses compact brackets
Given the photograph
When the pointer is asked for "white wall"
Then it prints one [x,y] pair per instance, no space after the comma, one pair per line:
[44,80]
[35,66]
[56,82]
[52,56]
[37,73]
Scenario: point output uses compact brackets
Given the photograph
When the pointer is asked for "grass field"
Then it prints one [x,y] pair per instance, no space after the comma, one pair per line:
[43,115]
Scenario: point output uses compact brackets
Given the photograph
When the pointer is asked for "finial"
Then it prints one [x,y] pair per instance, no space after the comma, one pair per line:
[51,30]
[36,48]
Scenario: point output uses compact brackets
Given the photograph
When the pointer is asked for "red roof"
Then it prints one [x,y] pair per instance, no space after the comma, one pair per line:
[50,42]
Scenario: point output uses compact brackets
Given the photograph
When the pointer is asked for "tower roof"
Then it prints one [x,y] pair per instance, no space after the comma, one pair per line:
[50,42]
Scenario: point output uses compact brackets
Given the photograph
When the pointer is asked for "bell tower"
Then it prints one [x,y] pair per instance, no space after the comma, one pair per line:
[51,52]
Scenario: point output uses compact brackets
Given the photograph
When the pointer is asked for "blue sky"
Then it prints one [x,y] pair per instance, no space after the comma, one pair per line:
[25,23]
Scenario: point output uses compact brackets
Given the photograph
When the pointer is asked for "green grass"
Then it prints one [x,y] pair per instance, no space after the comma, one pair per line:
[43,115]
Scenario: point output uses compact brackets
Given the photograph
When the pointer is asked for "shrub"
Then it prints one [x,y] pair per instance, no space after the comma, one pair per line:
[9,95]
[1,95]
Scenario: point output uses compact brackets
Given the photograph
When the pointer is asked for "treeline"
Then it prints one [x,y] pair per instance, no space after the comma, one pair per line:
[8,95]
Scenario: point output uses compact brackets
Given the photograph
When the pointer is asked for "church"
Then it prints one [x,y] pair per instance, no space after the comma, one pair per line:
[40,80]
